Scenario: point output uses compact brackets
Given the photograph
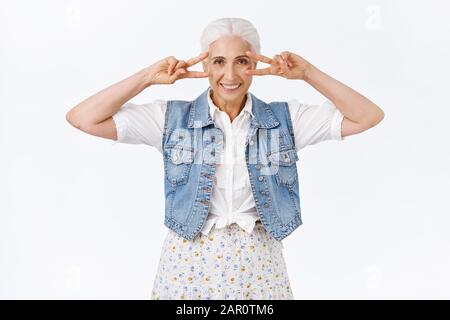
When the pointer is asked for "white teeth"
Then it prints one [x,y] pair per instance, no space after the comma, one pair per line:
[230,86]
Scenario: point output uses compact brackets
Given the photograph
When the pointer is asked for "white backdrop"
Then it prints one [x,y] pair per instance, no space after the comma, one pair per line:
[82,217]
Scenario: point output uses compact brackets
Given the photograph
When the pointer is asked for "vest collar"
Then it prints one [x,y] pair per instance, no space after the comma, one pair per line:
[199,115]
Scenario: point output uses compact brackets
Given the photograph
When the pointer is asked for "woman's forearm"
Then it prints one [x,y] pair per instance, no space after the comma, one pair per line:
[108,101]
[350,103]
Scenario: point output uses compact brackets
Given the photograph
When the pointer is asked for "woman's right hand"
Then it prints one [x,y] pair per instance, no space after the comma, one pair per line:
[170,69]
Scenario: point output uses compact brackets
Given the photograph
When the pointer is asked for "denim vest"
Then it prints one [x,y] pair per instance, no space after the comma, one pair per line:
[191,147]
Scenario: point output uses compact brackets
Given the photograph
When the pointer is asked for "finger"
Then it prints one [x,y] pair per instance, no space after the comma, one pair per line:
[177,74]
[172,62]
[278,63]
[285,55]
[196,74]
[180,73]
[258,57]
[278,59]
[283,65]
[180,64]
[258,72]
[197,59]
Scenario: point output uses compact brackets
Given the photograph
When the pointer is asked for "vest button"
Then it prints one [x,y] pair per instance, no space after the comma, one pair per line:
[258,166]
[260,178]
[266,205]
[262,193]
[252,142]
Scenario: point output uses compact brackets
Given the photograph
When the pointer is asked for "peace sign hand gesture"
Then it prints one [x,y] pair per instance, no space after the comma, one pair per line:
[287,65]
[170,69]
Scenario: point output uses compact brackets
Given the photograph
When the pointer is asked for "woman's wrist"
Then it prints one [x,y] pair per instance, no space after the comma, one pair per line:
[147,76]
[309,73]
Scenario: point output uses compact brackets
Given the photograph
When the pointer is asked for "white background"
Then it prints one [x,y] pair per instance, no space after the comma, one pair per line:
[81,217]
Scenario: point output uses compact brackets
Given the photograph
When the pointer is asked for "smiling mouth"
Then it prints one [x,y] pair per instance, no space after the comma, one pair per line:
[230,87]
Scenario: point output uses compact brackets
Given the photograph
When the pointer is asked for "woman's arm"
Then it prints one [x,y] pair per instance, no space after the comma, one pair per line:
[94,114]
[359,112]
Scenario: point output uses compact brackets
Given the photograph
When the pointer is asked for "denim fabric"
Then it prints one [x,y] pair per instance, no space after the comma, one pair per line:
[191,149]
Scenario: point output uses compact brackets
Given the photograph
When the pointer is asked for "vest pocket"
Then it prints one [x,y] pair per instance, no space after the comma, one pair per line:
[177,164]
[283,166]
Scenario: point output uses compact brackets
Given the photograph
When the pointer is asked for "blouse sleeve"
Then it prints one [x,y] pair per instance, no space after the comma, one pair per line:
[141,123]
[315,123]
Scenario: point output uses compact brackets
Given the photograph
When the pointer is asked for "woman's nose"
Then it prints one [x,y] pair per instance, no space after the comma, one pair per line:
[230,72]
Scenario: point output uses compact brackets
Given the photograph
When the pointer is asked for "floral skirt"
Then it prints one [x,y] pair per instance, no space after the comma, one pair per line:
[228,263]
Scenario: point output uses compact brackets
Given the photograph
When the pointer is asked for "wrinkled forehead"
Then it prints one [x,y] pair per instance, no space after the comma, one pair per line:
[228,47]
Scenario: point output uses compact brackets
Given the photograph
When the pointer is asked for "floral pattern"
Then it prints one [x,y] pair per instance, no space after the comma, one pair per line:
[228,263]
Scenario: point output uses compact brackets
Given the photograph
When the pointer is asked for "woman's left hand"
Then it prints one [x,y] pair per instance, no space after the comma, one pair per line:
[287,65]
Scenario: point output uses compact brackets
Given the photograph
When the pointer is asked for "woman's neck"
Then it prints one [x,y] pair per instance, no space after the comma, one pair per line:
[231,108]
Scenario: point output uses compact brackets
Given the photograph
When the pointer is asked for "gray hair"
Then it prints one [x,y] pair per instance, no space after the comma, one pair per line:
[230,27]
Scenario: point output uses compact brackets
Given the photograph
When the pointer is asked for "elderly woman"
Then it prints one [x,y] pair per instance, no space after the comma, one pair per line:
[231,181]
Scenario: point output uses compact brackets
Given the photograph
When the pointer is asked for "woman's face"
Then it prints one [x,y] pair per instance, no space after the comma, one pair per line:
[226,65]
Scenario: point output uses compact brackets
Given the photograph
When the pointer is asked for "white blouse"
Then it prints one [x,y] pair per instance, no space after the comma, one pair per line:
[231,199]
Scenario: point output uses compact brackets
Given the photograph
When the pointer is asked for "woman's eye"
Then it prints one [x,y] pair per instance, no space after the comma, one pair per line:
[242,61]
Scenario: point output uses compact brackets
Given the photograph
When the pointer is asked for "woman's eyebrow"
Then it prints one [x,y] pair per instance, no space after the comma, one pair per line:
[242,56]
